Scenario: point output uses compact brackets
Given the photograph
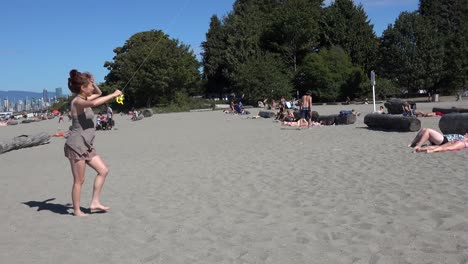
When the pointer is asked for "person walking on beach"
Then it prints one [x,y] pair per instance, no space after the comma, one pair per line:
[60,117]
[110,116]
[79,148]
[306,107]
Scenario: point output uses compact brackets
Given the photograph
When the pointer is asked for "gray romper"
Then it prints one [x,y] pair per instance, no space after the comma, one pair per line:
[79,144]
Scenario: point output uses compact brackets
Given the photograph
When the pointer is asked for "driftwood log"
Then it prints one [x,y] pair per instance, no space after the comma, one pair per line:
[24,141]
[454,123]
[345,119]
[147,112]
[395,106]
[392,122]
[315,115]
[267,114]
[329,120]
[139,117]
[449,110]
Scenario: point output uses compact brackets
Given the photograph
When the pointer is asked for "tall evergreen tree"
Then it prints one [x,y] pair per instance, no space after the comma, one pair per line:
[449,19]
[294,30]
[410,54]
[346,25]
[213,55]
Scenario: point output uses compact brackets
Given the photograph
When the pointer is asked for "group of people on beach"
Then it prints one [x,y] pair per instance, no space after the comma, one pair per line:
[79,146]
[412,111]
[286,114]
[236,107]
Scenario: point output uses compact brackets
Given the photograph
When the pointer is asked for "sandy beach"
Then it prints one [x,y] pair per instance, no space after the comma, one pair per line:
[208,187]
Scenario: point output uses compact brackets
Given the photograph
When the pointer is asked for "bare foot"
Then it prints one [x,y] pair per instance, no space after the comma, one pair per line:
[79,214]
[420,150]
[99,207]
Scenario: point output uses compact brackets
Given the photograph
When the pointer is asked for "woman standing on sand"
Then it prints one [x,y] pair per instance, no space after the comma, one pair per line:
[79,147]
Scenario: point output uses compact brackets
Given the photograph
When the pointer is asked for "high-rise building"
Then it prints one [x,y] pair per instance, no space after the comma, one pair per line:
[5,104]
[45,95]
[58,92]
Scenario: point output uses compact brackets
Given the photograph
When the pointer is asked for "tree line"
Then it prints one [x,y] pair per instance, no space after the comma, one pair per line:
[273,48]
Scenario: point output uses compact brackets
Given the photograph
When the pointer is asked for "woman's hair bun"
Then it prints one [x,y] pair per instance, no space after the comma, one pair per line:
[74,73]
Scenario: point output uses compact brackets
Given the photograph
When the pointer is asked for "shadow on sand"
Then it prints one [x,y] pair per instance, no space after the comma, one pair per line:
[53,207]
[57,208]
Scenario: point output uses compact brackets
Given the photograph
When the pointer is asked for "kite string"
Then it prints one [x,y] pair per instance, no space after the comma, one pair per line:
[155,44]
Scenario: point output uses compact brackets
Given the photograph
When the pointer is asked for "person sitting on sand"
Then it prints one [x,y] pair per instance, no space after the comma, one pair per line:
[435,138]
[381,110]
[407,111]
[448,146]
[287,115]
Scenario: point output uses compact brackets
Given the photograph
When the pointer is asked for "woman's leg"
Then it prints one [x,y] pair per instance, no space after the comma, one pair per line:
[451,146]
[98,165]
[78,170]
[426,134]
[417,137]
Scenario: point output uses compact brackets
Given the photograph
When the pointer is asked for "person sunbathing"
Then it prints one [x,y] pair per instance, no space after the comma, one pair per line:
[5,123]
[435,138]
[300,123]
[449,146]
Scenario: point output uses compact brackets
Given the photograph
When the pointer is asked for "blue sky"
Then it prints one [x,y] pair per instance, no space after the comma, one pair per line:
[40,41]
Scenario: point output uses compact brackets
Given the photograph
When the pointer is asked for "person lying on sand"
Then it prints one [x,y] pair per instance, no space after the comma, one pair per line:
[449,146]
[5,123]
[435,138]
[300,123]
[428,114]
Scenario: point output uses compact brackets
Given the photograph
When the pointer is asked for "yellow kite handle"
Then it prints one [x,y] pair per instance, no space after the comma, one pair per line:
[119,99]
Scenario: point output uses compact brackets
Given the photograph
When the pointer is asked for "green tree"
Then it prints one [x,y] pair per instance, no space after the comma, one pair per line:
[243,28]
[346,25]
[410,54]
[326,73]
[263,76]
[294,30]
[386,88]
[213,61]
[357,84]
[154,68]
[449,19]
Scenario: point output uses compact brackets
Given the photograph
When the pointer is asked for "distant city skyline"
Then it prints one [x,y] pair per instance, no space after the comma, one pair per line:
[14,96]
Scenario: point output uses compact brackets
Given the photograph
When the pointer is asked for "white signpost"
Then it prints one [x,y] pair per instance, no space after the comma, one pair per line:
[372,79]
